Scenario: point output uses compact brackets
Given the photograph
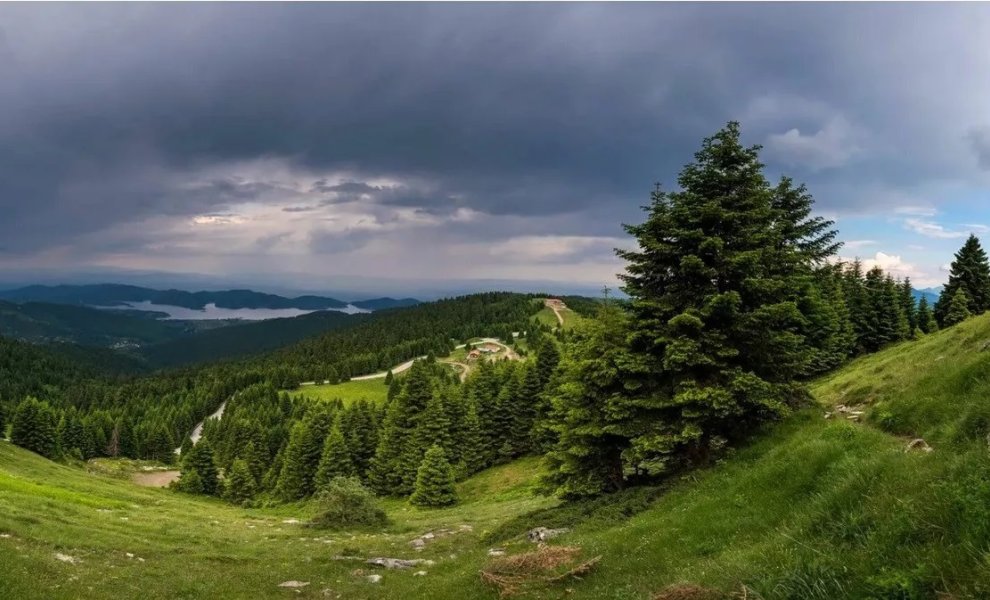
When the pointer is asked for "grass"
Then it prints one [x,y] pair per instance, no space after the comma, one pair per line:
[189,547]
[813,508]
[373,390]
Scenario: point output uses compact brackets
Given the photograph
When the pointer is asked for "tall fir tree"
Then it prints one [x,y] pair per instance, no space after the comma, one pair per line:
[434,485]
[587,458]
[199,470]
[908,305]
[34,427]
[969,272]
[335,460]
[926,318]
[718,339]
[472,454]
[239,484]
[958,310]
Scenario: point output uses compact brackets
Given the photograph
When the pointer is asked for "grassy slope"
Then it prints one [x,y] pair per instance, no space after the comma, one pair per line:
[814,508]
[373,390]
[194,548]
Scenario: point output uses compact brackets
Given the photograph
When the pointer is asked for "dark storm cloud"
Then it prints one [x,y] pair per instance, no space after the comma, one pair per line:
[108,113]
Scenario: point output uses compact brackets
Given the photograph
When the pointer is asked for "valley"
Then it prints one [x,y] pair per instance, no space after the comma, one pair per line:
[811,508]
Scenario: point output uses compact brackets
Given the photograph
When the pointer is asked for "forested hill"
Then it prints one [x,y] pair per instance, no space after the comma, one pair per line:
[237,341]
[394,336]
[49,372]
[42,322]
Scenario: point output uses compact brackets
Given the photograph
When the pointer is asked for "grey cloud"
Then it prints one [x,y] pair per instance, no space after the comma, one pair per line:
[563,112]
[979,139]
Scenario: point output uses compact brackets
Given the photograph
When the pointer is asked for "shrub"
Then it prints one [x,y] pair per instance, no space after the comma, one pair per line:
[344,503]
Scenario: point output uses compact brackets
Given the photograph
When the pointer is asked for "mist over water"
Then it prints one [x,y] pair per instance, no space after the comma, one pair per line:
[212,311]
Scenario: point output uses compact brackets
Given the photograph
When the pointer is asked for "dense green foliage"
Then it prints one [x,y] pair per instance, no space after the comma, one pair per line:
[237,341]
[343,503]
[723,306]
[434,480]
[34,427]
[40,322]
[969,272]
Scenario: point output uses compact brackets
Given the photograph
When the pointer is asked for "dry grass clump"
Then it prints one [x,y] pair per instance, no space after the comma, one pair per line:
[688,591]
[545,565]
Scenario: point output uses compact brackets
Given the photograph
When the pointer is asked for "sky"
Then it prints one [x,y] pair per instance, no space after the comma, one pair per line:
[327,146]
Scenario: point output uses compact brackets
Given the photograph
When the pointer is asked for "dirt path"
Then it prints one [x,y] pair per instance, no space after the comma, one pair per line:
[197,431]
[396,369]
[155,478]
[555,306]
[509,352]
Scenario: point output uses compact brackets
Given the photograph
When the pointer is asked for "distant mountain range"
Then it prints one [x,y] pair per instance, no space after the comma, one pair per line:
[930,294]
[117,295]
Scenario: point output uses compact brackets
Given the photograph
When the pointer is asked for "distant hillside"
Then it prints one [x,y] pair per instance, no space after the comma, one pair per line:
[930,294]
[384,303]
[250,338]
[39,322]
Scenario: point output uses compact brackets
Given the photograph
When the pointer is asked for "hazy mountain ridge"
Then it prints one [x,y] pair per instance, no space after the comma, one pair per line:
[111,294]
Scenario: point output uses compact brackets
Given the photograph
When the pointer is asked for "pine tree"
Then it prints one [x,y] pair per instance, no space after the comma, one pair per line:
[254,458]
[190,482]
[394,389]
[270,480]
[335,460]
[969,272]
[295,479]
[199,465]
[926,319]
[240,483]
[587,457]
[857,300]
[434,481]
[958,310]
[472,451]
[34,428]
[400,450]
[547,357]
[717,341]
[908,305]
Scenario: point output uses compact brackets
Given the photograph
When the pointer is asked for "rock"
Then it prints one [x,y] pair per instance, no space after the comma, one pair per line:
[129,555]
[428,535]
[418,544]
[4,535]
[918,444]
[419,573]
[542,534]
[496,552]
[293,584]
[396,563]
[66,558]
[374,578]
[290,521]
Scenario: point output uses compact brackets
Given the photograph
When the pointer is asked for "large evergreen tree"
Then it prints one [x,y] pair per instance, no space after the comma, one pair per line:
[239,485]
[969,272]
[716,284]
[34,427]
[926,319]
[958,310]
[199,470]
[335,460]
[434,484]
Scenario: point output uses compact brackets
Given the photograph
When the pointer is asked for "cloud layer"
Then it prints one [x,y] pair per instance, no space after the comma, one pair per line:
[455,141]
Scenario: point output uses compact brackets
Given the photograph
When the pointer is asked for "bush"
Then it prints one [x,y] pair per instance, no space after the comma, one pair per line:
[345,503]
